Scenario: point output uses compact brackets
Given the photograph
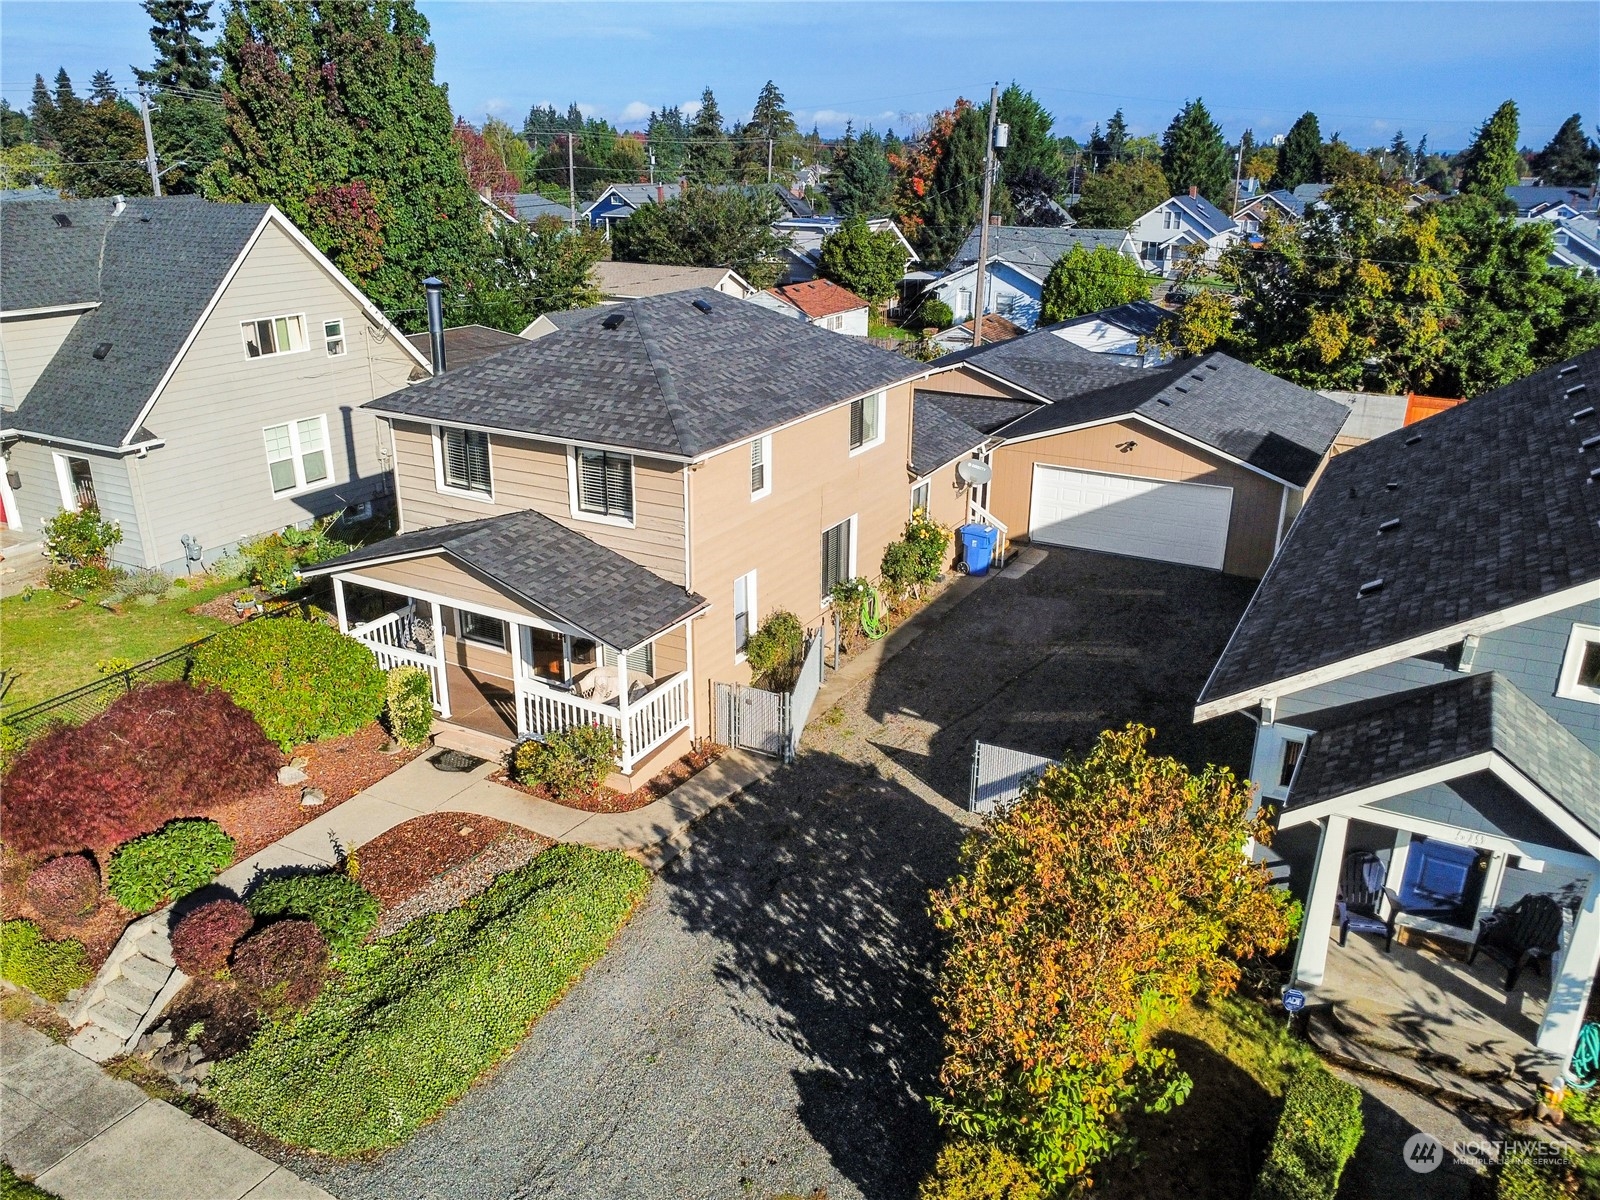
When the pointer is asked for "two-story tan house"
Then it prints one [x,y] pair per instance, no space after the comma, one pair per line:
[194,370]
[593,523]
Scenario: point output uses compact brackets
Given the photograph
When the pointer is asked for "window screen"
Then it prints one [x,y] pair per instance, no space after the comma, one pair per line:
[744,601]
[490,631]
[466,459]
[605,484]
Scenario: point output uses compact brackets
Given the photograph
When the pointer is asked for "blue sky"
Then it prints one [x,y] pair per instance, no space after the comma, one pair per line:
[1366,69]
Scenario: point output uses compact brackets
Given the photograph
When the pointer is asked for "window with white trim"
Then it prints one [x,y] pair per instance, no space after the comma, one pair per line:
[921,495]
[333,337]
[486,631]
[1580,666]
[866,422]
[838,547]
[605,484]
[1293,751]
[760,467]
[464,461]
[641,659]
[744,613]
[273,335]
[297,454]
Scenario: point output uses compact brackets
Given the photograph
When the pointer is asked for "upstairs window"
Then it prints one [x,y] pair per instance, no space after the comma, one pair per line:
[1292,752]
[605,484]
[866,422]
[760,467]
[333,337]
[1580,666]
[297,454]
[464,461]
[273,335]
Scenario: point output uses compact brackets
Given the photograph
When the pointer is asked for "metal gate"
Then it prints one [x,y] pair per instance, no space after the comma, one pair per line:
[999,775]
[769,723]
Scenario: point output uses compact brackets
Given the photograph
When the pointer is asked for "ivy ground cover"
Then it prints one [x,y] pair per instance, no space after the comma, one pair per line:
[408,1022]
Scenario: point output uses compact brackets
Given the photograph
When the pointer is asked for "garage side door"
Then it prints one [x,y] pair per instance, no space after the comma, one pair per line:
[1123,514]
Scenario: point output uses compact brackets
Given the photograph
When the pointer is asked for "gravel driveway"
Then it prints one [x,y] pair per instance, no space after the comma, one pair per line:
[764,1024]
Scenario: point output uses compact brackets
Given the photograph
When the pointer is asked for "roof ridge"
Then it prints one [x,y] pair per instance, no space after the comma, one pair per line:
[663,373]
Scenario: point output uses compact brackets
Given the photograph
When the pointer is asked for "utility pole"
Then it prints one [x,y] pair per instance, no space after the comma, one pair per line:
[769,160]
[979,300]
[572,187]
[1238,170]
[652,168]
[149,145]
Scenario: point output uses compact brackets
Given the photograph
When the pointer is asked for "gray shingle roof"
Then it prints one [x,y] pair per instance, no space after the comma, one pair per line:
[1527,198]
[938,436]
[530,206]
[1496,508]
[153,269]
[1045,365]
[553,568]
[1373,742]
[1207,213]
[465,344]
[986,414]
[1137,316]
[1035,249]
[669,379]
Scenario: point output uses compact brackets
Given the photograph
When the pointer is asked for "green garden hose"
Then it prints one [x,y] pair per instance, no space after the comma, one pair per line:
[1585,1070]
[872,615]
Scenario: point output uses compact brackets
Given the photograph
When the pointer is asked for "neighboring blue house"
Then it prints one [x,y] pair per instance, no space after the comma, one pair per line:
[621,200]
[1280,203]
[1422,663]
[1020,257]
[1533,201]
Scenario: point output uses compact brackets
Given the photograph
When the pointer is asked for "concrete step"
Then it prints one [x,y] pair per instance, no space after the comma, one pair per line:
[108,1014]
[96,1044]
[470,741]
[146,972]
[131,994]
[156,945]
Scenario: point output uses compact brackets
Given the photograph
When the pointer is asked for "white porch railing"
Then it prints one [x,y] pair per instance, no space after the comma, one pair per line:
[977,514]
[389,638]
[651,720]
[659,714]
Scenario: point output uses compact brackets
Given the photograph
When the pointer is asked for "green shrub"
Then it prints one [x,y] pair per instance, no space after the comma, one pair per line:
[270,562]
[31,960]
[969,1170]
[80,538]
[12,743]
[933,313]
[409,705]
[918,558]
[850,601]
[569,763]
[775,650]
[14,1187]
[342,909]
[410,1021]
[1317,1133]
[1552,1173]
[171,862]
[301,680]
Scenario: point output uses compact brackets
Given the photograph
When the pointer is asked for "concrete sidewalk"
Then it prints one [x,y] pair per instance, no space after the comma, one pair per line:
[83,1135]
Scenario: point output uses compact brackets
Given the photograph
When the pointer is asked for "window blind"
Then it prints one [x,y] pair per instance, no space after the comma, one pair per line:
[466,460]
[835,556]
[605,484]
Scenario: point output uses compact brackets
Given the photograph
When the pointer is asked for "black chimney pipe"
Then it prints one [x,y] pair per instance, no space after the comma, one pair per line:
[435,290]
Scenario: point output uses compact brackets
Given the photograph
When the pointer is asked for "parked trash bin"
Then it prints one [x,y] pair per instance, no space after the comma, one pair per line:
[978,544]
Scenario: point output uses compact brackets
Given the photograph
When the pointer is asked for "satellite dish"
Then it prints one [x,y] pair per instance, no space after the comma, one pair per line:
[974,472]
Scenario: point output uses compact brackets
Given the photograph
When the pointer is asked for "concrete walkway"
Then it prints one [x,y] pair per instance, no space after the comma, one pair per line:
[83,1135]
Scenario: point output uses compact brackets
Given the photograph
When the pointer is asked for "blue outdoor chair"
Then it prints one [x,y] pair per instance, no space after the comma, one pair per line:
[1361,891]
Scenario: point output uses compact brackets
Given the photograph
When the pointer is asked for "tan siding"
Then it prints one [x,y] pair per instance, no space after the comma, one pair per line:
[530,474]
[1253,525]
[947,497]
[815,485]
[969,383]
[27,344]
[210,479]
[439,576]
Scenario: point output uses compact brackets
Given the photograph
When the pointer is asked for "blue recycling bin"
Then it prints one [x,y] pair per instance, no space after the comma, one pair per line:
[978,544]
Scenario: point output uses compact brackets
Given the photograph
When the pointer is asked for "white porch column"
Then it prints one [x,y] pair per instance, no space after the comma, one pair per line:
[1569,990]
[338,604]
[1311,960]
[1493,879]
[622,711]
[1396,874]
[437,612]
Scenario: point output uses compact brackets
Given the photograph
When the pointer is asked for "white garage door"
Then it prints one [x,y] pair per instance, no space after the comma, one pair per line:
[1123,514]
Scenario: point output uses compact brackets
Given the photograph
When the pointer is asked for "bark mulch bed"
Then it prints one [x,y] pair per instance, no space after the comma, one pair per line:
[607,800]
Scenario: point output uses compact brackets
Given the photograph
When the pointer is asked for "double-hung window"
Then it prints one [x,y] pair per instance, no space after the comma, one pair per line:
[866,422]
[273,335]
[486,631]
[297,454]
[642,659]
[333,337]
[744,612]
[921,494]
[760,467]
[605,484]
[837,550]
[464,461]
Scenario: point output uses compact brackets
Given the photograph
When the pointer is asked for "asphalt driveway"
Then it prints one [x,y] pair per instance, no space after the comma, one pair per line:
[764,1024]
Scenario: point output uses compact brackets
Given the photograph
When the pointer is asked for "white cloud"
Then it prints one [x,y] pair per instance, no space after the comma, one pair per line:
[496,107]
[691,110]
[637,111]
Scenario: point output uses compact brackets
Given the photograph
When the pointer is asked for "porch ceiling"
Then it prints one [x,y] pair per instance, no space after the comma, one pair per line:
[545,565]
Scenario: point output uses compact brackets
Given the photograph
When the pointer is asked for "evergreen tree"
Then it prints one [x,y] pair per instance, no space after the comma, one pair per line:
[102,143]
[542,124]
[955,202]
[1193,154]
[1099,149]
[668,134]
[41,116]
[334,116]
[1491,163]
[1032,170]
[859,184]
[1300,156]
[771,126]
[1570,159]
[1116,136]
[13,126]
[1086,281]
[186,122]
[710,155]
[103,88]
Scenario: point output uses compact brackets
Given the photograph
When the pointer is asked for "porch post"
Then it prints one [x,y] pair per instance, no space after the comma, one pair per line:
[1494,877]
[1397,867]
[1569,990]
[622,711]
[338,604]
[437,611]
[1311,960]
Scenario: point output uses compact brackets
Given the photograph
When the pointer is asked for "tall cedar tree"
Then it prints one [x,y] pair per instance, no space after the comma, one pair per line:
[103,88]
[1031,168]
[186,127]
[1193,154]
[1570,159]
[102,143]
[1491,164]
[710,154]
[706,227]
[859,184]
[1116,138]
[668,135]
[771,121]
[1300,156]
[333,115]
[955,200]
[41,116]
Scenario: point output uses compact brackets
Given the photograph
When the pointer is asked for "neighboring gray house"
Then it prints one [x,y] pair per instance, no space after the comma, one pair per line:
[1020,257]
[1164,234]
[1280,203]
[1124,329]
[1422,662]
[195,370]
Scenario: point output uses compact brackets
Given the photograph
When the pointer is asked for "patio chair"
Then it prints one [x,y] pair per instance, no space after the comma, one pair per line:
[1520,936]
[1361,891]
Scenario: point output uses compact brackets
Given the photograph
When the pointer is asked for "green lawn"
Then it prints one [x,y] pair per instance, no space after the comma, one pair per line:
[14,1187]
[878,328]
[408,1022]
[47,648]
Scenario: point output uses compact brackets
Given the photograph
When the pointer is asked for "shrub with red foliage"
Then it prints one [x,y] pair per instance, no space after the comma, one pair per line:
[64,887]
[282,966]
[162,751]
[204,938]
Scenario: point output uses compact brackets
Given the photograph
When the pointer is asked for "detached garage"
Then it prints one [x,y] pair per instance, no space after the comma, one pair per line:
[1124,514]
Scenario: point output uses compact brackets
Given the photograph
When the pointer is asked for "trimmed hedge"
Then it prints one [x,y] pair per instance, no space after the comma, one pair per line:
[31,960]
[410,1021]
[409,706]
[175,860]
[1318,1131]
[64,887]
[974,1170]
[301,680]
[204,938]
[343,910]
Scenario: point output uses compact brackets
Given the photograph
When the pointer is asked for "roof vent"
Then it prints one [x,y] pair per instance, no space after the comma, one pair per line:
[1576,388]
[63,221]
[1211,366]
[1594,474]
[703,305]
[614,321]
[1198,376]
[1582,413]
[1589,443]
[1370,587]
[100,351]
[1567,370]
[1390,525]
[1178,387]
[1392,486]
[1413,439]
